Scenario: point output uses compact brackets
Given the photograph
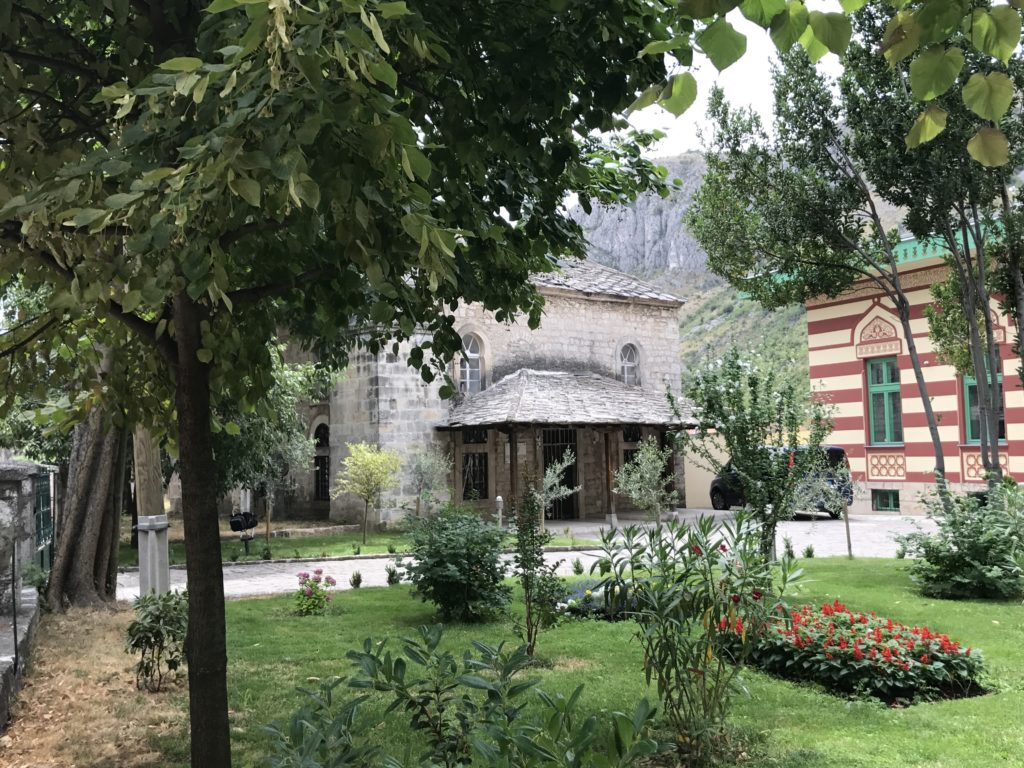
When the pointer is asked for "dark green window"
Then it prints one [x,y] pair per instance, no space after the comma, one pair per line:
[973,410]
[883,500]
[885,412]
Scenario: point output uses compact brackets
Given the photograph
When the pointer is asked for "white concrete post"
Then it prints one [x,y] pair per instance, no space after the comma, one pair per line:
[154,562]
[499,507]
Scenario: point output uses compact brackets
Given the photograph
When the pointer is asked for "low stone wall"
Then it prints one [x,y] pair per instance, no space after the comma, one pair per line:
[11,676]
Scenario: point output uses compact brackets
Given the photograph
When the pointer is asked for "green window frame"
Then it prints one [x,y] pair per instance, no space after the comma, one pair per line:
[885,500]
[972,410]
[885,407]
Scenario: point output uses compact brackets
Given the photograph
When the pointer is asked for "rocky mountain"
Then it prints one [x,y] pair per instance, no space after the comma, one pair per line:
[650,240]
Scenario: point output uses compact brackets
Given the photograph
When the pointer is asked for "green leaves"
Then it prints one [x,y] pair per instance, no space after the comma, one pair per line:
[928,125]
[679,94]
[722,44]
[182,64]
[247,189]
[788,26]
[988,96]
[901,38]
[934,72]
[989,147]
[761,12]
[833,30]
[995,32]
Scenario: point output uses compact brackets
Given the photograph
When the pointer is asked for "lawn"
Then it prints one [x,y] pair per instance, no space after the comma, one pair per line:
[333,545]
[271,652]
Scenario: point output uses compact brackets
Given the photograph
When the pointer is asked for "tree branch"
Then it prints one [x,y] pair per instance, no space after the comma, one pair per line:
[22,343]
[46,61]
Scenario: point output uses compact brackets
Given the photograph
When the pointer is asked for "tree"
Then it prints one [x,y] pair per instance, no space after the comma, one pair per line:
[795,216]
[948,197]
[646,481]
[430,469]
[367,472]
[742,409]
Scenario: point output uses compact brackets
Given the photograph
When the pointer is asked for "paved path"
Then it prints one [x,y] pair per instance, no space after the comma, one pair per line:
[872,536]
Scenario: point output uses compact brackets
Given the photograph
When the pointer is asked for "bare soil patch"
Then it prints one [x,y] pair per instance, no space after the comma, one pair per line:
[79,707]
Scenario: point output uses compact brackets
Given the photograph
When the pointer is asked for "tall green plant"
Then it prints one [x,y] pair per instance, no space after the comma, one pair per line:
[645,480]
[157,635]
[771,436]
[542,587]
[367,472]
[690,589]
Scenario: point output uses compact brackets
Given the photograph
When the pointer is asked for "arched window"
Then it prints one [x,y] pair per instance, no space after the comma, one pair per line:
[629,365]
[470,380]
[322,463]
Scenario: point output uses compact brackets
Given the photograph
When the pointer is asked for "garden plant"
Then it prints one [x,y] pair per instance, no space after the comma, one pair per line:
[864,654]
[313,594]
[456,565]
[367,472]
[157,634]
[977,550]
[646,481]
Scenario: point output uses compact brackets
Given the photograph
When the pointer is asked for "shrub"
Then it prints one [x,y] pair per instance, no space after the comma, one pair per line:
[863,654]
[471,709]
[685,581]
[587,600]
[392,574]
[978,547]
[787,548]
[456,564]
[356,549]
[543,590]
[577,566]
[809,551]
[355,580]
[266,554]
[391,549]
[313,594]
[646,481]
[157,634]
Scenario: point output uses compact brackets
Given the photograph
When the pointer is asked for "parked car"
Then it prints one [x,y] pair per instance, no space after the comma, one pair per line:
[726,490]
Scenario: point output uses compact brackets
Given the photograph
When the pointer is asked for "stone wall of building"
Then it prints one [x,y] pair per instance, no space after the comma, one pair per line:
[580,333]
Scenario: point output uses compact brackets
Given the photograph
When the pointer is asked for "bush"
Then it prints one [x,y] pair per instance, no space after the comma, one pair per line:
[393,576]
[691,587]
[543,590]
[355,580]
[158,633]
[456,564]
[577,566]
[863,654]
[587,599]
[976,551]
[313,594]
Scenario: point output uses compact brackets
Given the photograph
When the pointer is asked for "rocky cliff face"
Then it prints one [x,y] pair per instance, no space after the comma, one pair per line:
[649,238]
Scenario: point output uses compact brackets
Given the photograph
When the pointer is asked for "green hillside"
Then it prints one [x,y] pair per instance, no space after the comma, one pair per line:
[718,317]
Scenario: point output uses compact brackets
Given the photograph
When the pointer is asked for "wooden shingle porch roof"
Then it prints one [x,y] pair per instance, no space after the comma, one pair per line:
[565,398]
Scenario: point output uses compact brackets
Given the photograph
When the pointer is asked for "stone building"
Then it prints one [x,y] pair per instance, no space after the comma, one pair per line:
[593,378]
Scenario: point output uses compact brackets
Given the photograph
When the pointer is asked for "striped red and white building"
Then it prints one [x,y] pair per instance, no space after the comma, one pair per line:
[859,363]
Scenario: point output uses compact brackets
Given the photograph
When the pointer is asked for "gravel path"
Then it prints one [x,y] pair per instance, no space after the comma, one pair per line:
[872,536]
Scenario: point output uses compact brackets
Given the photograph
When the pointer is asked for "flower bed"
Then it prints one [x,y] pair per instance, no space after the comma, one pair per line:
[863,654]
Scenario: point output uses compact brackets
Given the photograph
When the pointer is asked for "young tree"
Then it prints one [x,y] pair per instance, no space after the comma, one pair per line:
[430,469]
[367,472]
[772,439]
[645,480]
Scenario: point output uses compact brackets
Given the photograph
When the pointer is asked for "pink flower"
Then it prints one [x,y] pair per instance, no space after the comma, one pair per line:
[330,581]
[317,578]
[308,592]
[319,571]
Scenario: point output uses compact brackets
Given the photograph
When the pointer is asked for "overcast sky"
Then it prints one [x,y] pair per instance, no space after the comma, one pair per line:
[748,82]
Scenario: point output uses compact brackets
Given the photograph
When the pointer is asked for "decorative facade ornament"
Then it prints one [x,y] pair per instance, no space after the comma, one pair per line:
[974,469]
[879,337]
[886,466]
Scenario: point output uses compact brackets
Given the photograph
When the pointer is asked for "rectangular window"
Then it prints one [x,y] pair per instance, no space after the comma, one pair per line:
[474,436]
[884,500]
[885,412]
[629,454]
[474,476]
[321,478]
[631,433]
[972,408]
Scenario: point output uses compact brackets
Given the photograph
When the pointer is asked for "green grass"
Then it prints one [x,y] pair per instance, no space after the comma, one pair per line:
[334,545]
[271,652]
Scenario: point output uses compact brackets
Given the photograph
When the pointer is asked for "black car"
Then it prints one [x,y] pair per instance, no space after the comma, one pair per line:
[726,491]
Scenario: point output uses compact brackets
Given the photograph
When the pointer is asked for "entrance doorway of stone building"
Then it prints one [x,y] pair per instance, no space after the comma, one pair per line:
[557,441]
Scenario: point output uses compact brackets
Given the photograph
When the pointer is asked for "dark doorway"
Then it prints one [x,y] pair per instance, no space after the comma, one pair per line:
[556,441]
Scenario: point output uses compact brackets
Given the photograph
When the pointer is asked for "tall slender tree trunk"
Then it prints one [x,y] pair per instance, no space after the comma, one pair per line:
[205,643]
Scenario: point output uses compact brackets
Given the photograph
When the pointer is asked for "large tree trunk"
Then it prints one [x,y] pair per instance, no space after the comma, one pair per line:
[205,643]
[88,510]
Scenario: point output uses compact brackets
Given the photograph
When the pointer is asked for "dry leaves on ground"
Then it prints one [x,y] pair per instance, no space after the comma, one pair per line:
[79,707]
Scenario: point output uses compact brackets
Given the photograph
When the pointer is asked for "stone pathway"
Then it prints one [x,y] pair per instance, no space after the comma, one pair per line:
[872,536]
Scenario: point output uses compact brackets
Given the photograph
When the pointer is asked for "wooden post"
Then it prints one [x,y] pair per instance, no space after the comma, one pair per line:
[609,510]
[149,492]
[513,468]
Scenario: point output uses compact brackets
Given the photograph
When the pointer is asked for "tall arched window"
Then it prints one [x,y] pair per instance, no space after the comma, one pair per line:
[470,380]
[629,365]
[322,463]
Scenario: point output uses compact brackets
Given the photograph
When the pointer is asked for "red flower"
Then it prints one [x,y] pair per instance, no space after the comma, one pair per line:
[697,550]
[736,598]
[756,594]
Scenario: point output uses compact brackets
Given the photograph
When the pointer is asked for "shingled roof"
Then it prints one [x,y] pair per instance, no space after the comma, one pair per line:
[593,279]
[554,397]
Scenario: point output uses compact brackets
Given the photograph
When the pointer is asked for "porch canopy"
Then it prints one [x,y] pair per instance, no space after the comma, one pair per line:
[531,398]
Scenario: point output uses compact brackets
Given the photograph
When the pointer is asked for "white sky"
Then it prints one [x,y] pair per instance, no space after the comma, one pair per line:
[748,82]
